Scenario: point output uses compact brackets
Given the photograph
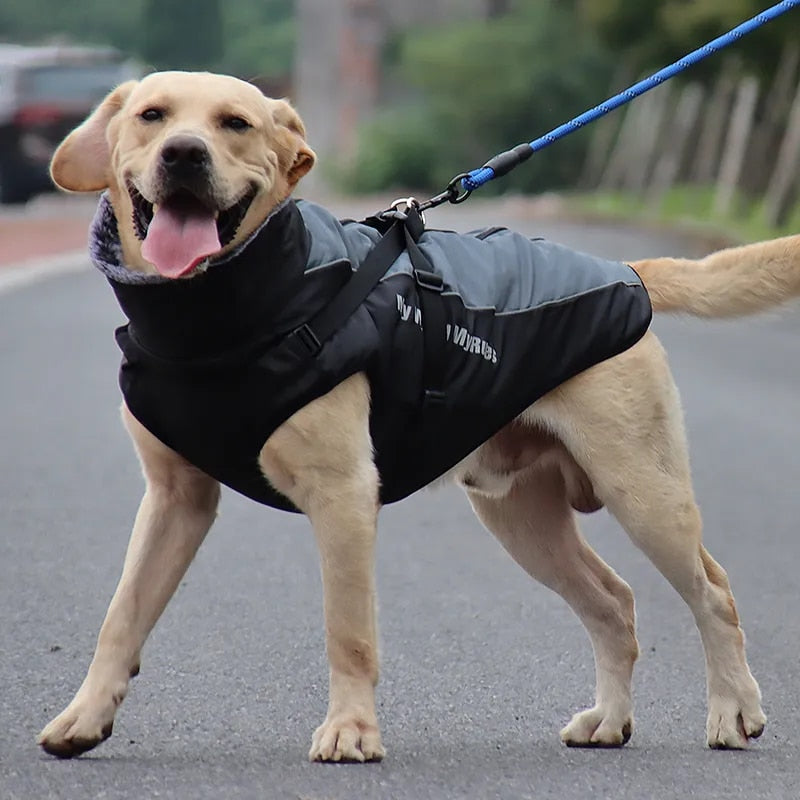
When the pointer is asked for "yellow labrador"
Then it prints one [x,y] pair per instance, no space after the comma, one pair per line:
[613,435]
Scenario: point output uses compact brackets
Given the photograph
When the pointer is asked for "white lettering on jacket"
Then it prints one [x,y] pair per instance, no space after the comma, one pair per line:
[406,311]
[461,337]
[471,343]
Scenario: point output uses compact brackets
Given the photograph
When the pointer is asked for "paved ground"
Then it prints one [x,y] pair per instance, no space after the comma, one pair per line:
[480,666]
[49,225]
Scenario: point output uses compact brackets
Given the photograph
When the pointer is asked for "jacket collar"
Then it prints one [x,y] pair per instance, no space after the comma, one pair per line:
[248,296]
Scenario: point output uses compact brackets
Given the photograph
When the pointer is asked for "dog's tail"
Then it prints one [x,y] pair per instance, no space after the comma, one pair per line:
[728,283]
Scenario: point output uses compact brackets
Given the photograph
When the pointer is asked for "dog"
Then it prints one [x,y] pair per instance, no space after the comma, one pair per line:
[611,435]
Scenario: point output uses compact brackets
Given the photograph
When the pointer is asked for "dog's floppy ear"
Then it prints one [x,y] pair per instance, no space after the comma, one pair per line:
[82,161]
[300,156]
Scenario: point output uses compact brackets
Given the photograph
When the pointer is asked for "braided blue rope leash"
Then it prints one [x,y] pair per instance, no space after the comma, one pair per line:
[505,162]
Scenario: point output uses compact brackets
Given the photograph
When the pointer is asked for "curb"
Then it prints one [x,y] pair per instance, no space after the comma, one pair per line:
[33,270]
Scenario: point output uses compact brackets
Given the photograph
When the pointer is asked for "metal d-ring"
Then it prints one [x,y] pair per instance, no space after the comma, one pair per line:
[407,203]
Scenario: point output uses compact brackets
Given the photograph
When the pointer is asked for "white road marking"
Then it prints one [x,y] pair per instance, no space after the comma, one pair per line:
[33,270]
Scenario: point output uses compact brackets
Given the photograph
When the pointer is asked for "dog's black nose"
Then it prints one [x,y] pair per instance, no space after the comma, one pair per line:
[185,154]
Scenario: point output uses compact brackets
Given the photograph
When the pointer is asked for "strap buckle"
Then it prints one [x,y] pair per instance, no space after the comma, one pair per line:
[429,280]
[308,339]
[434,397]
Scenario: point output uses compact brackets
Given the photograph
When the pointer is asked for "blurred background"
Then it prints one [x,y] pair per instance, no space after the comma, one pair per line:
[404,95]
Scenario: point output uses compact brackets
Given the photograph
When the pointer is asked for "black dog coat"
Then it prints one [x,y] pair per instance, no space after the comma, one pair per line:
[211,366]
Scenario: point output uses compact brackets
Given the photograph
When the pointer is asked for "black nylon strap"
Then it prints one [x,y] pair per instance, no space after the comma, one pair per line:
[433,314]
[402,235]
[312,335]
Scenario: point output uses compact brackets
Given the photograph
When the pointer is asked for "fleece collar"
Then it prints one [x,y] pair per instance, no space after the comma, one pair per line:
[105,248]
[252,295]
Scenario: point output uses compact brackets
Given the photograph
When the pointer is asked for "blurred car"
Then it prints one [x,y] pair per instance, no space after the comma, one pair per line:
[44,93]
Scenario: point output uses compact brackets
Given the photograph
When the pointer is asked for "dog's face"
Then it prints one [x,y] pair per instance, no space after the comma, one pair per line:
[193,163]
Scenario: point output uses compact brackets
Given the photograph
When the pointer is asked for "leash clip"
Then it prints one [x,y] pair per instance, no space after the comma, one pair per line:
[456,192]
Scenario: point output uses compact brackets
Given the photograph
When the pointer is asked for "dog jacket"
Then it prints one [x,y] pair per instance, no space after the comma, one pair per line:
[213,364]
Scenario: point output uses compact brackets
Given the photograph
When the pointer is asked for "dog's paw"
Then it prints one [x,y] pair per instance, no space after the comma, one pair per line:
[78,728]
[732,724]
[597,727]
[346,737]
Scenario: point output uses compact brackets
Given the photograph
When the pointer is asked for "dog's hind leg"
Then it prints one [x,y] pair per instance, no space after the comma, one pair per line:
[537,526]
[175,514]
[621,421]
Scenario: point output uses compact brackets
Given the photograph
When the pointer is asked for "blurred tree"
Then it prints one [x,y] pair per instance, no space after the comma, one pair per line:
[250,38]
[181,35]
[259,38]
[655,33]
[484,87]
[496,8]
[96,21]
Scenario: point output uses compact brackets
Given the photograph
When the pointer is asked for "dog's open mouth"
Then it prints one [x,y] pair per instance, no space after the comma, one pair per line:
[183,230]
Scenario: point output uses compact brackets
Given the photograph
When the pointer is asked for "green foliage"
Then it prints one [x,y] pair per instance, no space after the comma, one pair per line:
[89,21]
[652,34]
[487,86]
[259,38]
[398,148]
[251,38]
[689,207]
[181,35]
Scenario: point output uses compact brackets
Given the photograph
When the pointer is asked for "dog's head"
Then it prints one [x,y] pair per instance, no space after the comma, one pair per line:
[193,162]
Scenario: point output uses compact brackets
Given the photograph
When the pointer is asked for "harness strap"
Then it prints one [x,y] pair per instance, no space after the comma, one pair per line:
[402,235]
[313,334]
[430,287]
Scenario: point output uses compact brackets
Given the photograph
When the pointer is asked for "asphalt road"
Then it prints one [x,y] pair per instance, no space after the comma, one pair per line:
[481,667]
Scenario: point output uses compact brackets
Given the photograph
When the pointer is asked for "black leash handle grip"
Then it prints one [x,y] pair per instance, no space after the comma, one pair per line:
[504,162]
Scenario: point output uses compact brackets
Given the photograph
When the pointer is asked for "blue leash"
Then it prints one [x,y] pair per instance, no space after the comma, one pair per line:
[506,161]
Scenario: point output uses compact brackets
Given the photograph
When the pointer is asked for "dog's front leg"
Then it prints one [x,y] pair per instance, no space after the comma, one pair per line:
[321,459]
[175,514]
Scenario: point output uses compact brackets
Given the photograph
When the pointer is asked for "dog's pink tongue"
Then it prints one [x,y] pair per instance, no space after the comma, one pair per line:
[180,236]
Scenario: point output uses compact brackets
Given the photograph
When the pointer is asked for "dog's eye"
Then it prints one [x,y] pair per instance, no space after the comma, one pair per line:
[236,123]
[151,115]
